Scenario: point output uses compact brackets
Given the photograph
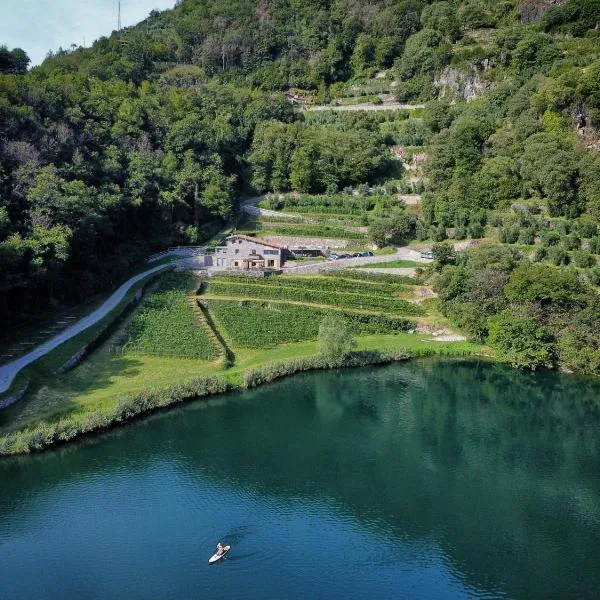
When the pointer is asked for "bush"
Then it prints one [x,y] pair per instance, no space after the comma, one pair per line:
[550,238]
[583,259]
[594,245]
[335,339]
[594,275]
[557,256]
[572,241]
[476,230]
[509,235]
[586,228]
[521,341]
[527,237]
[540,254]
[440,234]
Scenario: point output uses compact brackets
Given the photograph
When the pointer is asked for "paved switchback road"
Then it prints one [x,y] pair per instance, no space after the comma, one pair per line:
[9,371]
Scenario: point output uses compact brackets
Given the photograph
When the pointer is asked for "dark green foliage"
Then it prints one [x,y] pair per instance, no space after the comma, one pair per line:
[509,235]
[557,255]
[535,315]
[397,229]
[527,236]
[550,238]
[522,341]
[572,242]
[13,61]
[583,259]
[594,275]
[595,245]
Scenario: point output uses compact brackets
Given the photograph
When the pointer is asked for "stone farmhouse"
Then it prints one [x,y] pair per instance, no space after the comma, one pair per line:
[247,253]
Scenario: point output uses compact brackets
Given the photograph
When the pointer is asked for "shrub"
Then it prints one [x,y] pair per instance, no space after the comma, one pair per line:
[335,339]
[509,235]
[540,254]
[557,256]
[594,275]
[521,341]
[476,230]
[583,259]
[594,245]
[586,228]
[440,234]
[550,238]
[572,241]
[527,237]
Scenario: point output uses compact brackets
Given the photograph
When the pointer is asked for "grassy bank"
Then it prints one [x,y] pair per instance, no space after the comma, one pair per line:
[130,374]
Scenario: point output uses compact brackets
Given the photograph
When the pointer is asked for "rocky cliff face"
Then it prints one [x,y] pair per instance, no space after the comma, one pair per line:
[533,10]
[455,84]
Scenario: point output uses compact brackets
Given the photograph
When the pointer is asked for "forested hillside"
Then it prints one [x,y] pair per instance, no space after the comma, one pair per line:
[151,136]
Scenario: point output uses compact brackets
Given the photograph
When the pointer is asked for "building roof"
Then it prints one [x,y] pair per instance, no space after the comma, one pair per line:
[255,240]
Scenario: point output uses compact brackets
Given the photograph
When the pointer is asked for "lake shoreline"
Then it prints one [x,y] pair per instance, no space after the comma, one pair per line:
[128,409]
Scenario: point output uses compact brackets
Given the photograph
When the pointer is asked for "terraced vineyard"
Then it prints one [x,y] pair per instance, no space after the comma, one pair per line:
[264,312]
[374,302]
[166,323]
[262,324]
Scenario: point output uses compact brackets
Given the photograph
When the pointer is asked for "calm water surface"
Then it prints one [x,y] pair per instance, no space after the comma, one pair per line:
[423,480]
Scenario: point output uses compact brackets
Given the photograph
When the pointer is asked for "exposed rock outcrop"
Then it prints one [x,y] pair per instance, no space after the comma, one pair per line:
[455,84]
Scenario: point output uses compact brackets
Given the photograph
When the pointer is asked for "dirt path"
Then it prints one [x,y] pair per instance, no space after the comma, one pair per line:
[365,106]
[10,370]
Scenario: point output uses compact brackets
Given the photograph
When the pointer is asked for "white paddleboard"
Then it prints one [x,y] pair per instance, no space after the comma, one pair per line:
[215,557]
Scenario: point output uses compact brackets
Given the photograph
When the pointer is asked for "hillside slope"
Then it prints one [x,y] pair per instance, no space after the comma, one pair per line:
[152,135]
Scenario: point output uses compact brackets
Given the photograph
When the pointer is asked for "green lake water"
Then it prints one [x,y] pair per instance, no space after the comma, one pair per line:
[427,479]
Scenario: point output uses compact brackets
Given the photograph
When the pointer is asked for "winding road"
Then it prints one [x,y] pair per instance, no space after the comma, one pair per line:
[9,371]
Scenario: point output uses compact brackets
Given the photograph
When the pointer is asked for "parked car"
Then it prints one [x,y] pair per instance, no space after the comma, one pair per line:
[426,254]
[367,253]
[356,255]
[333,257]
[344,256]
